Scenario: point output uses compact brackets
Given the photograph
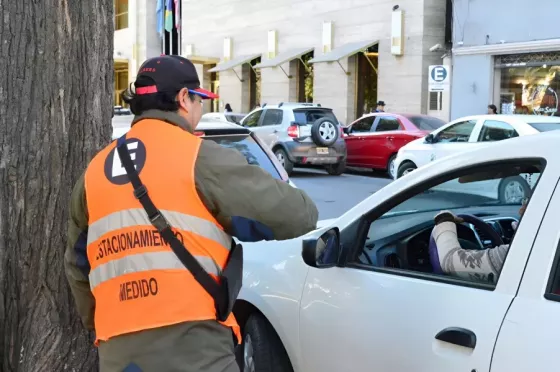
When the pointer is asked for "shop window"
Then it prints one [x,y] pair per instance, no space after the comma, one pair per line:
[305,79]
[121,14]
[435,101]
[121,83]
[255,85]
[532,88]
[366,100]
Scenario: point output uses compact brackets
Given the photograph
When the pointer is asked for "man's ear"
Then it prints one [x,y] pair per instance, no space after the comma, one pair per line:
[182,98]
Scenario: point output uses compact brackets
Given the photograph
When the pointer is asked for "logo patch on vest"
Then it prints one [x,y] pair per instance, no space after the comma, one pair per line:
[114,170]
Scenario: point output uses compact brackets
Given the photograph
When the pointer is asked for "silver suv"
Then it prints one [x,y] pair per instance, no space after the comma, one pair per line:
[300,134]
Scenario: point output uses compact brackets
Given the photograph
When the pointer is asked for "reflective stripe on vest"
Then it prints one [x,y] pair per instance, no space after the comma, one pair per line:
[136,279]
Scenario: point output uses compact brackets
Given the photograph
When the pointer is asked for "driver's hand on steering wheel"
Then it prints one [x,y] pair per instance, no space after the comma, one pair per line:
[447,216]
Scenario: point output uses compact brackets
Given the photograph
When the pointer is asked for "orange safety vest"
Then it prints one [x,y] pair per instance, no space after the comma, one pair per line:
[136,279]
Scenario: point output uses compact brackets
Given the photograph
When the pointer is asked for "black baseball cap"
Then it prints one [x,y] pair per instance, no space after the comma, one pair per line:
[169,73]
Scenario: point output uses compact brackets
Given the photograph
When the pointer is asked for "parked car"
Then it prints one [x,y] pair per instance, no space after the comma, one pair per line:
[300,134]
[230,117]
[373,140]
[228,135]
[119,110]
[372,301]
[474,132]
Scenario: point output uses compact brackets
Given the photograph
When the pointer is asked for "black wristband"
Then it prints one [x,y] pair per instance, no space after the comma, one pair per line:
[444,217]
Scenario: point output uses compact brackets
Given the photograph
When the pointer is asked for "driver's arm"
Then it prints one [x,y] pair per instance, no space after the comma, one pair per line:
[480,265]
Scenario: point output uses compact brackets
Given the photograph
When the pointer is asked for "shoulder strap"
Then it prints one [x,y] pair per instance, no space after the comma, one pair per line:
[160,223]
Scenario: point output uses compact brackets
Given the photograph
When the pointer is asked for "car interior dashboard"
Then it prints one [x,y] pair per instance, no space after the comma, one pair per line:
[401,241]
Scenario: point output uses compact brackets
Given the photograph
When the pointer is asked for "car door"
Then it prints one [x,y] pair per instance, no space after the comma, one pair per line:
[355,141]
[530,328]
[380,142]
[375,314]
[453,139]
[271,124]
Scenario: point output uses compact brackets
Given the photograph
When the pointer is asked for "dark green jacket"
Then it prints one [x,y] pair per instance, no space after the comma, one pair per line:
[230,188]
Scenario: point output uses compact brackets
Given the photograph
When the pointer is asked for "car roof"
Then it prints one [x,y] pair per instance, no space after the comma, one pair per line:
[218,124]
[296,105]
[523,118]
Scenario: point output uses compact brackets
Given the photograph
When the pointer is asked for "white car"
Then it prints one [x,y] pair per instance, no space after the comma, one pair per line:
[470,133]
[227,135]
[371,301]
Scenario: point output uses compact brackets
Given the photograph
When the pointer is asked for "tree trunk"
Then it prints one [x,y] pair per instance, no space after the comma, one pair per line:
[56,87]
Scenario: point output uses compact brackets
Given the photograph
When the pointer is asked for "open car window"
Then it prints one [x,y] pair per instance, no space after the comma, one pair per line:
[401,240]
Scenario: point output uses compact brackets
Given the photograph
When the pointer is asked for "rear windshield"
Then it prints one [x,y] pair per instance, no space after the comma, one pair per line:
[311,115]
[426,122]
[545,127]
[247,146]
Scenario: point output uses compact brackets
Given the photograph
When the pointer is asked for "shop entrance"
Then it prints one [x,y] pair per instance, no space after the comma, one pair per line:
[120,81]
[366,94]
[254,85]
[305,79]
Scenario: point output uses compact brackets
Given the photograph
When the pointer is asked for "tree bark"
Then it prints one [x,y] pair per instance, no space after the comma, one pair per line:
[56,86]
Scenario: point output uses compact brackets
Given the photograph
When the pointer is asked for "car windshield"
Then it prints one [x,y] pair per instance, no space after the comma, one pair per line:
[545,127]
[311,115]
[247,146]
[427,123]
[234,118]
[473,190]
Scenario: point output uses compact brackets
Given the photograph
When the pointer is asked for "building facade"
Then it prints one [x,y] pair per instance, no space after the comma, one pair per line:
[505,55]
[345,55]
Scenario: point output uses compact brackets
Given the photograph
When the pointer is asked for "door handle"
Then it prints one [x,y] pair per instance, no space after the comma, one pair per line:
[390,138]
[458,336]
[275,131]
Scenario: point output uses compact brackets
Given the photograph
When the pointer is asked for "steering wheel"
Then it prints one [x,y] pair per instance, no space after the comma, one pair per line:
[476,222]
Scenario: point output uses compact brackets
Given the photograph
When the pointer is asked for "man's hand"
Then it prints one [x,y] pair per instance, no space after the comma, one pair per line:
[447,216]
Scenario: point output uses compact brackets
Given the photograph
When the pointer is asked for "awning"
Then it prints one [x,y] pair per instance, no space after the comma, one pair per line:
[231,64]
[344,51]
[201,60]
[285,57]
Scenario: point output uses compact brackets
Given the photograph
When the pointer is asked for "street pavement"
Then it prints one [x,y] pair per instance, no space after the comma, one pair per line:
[334,195]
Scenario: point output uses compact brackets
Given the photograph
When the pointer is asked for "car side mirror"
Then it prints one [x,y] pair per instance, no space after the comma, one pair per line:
[430,138]
[346,130]
[322,252]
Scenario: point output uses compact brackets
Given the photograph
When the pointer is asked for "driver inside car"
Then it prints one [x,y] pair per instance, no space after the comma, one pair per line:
[482,265]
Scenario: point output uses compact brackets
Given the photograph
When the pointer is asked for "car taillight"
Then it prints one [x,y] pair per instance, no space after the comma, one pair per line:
[199,134]
[293,131]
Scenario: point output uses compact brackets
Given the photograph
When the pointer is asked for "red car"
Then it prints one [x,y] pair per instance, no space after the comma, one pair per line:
[373,140]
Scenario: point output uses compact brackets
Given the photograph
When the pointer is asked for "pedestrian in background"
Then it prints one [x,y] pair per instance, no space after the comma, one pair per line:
[380,106]
[228,108]
[492,110]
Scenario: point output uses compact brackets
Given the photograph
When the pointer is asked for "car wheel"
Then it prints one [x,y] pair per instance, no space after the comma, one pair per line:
[324,132]
[406,168]
[513,190]
[391,167]
[284,160]
[262,350]
[336,169]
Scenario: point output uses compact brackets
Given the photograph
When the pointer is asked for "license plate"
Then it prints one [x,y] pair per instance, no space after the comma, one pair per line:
[322,150]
